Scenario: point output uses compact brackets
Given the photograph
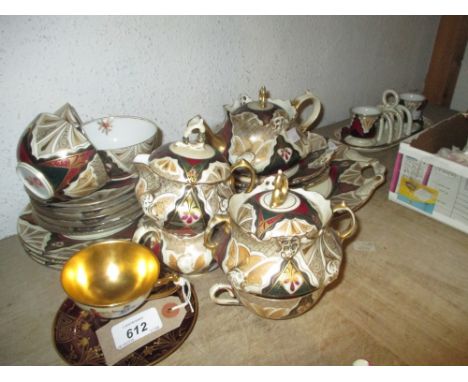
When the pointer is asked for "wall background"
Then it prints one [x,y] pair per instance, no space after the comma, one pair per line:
[171,68]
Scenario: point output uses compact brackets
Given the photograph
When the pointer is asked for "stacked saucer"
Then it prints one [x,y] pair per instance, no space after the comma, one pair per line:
[80,180]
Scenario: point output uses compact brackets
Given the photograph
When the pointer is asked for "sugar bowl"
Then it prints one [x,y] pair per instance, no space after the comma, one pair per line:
[278,251]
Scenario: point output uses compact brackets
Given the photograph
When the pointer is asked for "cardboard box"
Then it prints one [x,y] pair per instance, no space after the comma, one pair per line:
[429,184]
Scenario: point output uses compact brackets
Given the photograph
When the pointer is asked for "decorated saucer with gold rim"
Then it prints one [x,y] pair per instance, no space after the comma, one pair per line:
[337,134]
[75,339]
[346,181]
[54,249]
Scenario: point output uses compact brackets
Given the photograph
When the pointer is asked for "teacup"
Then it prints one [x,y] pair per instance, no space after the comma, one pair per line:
[119,139]
[113,278]
[369,126]
[416,103]
[56,160]
[274,309]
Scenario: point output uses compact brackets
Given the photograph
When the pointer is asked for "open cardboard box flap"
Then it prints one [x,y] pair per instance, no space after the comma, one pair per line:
[447,133]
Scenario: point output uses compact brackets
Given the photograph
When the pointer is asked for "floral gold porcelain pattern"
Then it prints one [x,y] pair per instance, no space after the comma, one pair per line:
[181,185]
[279,252]
[260,131]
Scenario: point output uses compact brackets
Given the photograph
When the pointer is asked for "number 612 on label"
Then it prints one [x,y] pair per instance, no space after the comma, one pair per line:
[135,327]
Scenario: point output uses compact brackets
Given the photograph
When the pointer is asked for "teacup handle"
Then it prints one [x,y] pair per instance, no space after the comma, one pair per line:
[299,101]
[394,94]
[214,221]
[388,123]
[385,124]
[172,278]
[409,117]
[245,165]
[217,289]
[348,232]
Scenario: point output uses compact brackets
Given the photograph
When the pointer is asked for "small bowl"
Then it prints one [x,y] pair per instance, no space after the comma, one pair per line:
[274,309]
[119,139]
[56,160]
[112,278]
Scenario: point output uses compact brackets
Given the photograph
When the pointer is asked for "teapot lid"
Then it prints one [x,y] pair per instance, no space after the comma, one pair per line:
[186,161]
[277,211]
[263,107]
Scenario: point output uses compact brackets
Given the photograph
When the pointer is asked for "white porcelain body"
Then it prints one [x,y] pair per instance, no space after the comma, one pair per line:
[415,103]
[284,252]
[183,254]
[274,309]
[119,139]
[117,310]
[372,117]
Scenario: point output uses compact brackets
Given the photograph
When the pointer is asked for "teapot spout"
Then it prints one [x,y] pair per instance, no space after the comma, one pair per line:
[215,140]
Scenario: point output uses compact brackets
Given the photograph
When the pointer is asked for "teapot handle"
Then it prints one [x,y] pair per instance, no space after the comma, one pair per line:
[214,221]
[299,101]
[348,232]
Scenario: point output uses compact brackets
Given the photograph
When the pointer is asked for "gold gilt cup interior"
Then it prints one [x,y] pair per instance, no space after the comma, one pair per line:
[110,273]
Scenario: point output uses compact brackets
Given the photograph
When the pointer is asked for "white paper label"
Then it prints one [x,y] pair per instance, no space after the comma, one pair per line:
[293,136]
[136,327]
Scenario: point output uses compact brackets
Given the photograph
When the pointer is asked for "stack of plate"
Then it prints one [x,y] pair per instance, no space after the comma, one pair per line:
[80,180]
[51,232]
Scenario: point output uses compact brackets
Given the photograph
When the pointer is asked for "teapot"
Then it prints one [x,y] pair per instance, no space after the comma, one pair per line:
[278,246]
[182,184]
[267,133]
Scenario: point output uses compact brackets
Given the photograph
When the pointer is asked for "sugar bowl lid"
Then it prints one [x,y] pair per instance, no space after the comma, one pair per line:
[187,160]
[273,210]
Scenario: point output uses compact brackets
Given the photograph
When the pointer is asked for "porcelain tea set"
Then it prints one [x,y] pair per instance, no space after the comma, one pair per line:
[398,117]
[255,198]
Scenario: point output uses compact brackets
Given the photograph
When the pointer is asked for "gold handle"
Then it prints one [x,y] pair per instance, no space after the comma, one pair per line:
[348,232]
[246,165]
[216,220]
[161,282]
[280,193]
[299,101]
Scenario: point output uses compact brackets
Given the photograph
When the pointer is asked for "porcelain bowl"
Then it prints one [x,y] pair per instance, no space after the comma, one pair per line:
[274,309]
[119,139]
[112,278]
[56,160]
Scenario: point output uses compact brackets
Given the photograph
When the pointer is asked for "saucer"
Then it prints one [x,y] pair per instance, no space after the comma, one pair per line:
[106,196]
[345,181]
[54,249]
[359,144]
[76,342]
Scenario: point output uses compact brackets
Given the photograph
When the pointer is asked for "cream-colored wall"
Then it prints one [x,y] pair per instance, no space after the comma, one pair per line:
[171,68]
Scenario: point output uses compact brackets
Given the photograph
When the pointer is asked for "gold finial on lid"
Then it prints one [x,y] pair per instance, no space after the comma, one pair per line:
[280,192]
[262,97]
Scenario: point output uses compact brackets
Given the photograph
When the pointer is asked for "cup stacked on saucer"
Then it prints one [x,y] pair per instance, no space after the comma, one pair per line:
[80,180]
